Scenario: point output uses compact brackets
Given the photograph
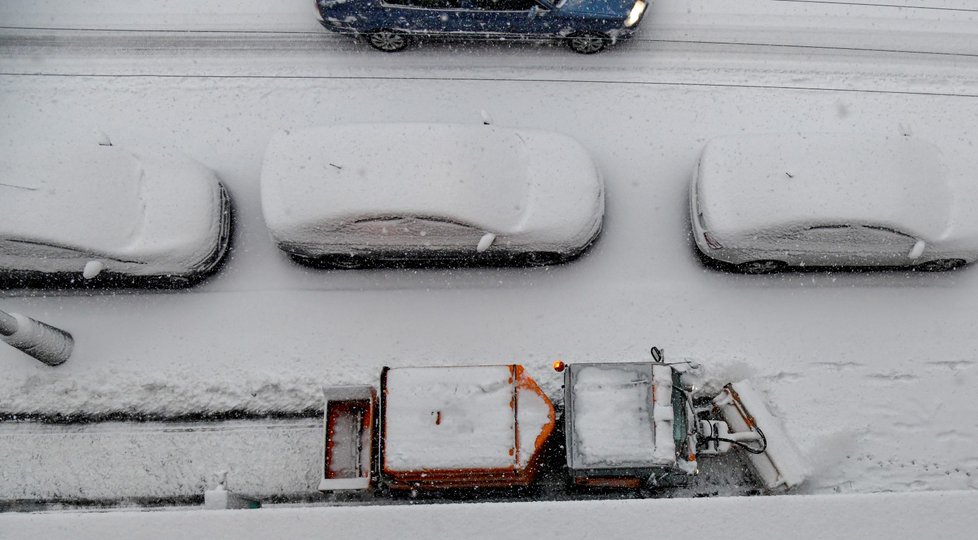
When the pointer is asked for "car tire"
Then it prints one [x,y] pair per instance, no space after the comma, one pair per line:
[587,42]
[761,266]
[388,40]
[346,262]
[542,258]
[941,265]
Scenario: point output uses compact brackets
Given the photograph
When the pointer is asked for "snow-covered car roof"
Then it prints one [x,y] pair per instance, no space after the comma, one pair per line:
[71,199]
[762,182]
[109,201]
[319,178]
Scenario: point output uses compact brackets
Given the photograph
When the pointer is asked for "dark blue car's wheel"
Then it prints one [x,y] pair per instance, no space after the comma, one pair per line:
[587,42]
[387,40]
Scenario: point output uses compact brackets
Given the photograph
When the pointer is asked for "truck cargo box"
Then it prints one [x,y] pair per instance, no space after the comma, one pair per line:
[458,427]
[347,449]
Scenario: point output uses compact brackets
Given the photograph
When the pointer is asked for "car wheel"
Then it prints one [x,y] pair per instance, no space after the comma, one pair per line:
[587,42]
[388,40]
[179,282]
[761,267]
[941,265]
[542,258]
[348,262]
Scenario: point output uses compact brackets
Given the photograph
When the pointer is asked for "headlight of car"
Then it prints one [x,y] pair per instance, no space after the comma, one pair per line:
[635,14]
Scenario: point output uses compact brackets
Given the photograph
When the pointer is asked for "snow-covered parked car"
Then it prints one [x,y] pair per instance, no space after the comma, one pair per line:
[765,202]
[357,195]
[110,216]
[587,26]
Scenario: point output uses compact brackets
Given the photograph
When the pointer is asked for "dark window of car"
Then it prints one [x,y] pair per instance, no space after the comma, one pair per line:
[426,4]
[889,230]
[845,238]
[826,236]
[26,248]
[503,5]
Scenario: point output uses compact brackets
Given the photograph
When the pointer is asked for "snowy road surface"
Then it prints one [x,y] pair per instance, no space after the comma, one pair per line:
[873,373]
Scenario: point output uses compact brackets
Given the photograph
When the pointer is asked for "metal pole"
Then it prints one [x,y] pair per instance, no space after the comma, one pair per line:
[42,341]
[8,324]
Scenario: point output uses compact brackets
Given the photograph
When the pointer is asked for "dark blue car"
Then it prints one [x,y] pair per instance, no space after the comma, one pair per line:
[389,25]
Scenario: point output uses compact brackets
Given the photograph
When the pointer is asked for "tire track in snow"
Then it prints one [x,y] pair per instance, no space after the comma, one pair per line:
[498,79]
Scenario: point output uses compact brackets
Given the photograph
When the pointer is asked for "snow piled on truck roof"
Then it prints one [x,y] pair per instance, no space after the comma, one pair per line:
[613,416]
[760,182]
[445,418]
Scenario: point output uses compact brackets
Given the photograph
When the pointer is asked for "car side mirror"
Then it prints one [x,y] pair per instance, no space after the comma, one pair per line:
[486,241]
[918,249]
[92,269]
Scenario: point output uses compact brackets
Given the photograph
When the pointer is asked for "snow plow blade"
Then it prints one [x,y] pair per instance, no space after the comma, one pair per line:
[776,460]
[347,450]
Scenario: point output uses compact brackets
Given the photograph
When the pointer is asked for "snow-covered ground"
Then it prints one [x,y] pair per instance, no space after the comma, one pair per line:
[873,373]
[947,515]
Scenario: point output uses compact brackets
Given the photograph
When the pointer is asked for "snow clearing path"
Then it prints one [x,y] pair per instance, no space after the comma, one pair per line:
[874,374]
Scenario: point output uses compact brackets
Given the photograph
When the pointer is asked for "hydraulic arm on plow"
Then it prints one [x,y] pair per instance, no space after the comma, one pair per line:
[626,425]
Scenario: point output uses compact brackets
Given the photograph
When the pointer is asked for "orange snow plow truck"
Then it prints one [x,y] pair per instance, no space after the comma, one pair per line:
[626,425]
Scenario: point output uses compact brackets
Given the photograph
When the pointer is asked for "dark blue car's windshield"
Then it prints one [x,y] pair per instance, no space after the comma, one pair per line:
[594,6]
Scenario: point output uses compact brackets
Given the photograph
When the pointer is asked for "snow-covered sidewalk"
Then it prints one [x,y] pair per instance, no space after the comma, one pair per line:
[946,515]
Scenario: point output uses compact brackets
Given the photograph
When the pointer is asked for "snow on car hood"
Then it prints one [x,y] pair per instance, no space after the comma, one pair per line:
[320,178]
[761,182]
[566,203]
[108,201]
[182,210]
